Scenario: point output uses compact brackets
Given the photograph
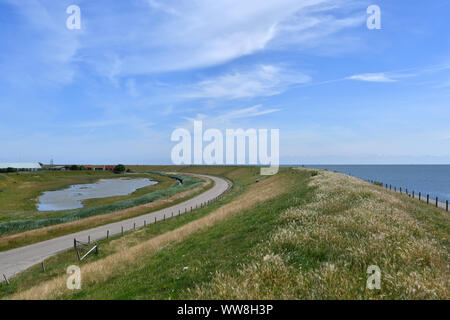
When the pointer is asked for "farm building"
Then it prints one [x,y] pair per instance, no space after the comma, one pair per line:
[58,168]
[21,166]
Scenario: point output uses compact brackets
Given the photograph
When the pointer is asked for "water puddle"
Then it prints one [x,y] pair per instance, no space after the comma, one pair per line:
[72,197]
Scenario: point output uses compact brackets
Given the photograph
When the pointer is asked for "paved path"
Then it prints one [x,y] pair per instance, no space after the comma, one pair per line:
[17,260]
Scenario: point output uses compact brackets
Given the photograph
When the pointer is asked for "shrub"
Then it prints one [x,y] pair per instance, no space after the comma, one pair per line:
[120,168]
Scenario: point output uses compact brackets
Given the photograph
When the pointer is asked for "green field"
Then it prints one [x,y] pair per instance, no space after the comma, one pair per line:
[19,192]
[301,234]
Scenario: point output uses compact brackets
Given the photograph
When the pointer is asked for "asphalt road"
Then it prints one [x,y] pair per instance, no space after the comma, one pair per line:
[19,259]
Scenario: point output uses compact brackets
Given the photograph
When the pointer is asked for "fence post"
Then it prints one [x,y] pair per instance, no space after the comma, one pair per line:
[145,223]
[43,266]
[420,195]
[134,226]
[164,217]
[446,205]
[437,202]
[428,198]
[122,230]
[413,194]
[74,243]
[107,234]
[155,219]
[172,214]
[6,279]
[89,238]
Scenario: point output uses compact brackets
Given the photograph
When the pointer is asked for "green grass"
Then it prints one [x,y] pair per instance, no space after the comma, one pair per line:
[188,182]
[56,265]
[19,192]
[315,241]
[225,247]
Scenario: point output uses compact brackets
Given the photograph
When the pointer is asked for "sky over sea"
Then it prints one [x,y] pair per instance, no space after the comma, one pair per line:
[115,89]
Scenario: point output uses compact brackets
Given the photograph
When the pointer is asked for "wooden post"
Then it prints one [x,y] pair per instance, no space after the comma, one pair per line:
[164,217]
[155,219]
[89,239]
[413,194]
[437,202]
[107,234]
[134,226]
[43,266]
[428,198]
[122,230]
[446,205]
[145,223]
[172,214]
[74,243]
[390,187]
[400,189]
[420,195]
[6,279]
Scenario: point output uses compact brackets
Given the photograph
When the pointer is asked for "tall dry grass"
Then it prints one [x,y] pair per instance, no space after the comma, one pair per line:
[322,250]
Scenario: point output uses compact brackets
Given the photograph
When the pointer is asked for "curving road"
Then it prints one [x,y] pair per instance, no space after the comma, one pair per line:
[19,259]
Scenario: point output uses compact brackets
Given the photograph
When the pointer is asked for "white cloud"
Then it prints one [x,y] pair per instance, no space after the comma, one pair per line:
[156,36]
[229,119]
[249,112]
[263,80]
[372,77]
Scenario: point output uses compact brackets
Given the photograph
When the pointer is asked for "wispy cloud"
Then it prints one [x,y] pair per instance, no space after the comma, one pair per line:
[218,120]
[372,77]
[263,80]
[249,112]
[154,36]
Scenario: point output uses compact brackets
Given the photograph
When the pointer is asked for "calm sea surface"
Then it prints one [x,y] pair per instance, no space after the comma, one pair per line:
[428,179]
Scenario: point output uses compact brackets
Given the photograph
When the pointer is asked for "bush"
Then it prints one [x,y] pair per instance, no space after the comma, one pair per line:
[120,168]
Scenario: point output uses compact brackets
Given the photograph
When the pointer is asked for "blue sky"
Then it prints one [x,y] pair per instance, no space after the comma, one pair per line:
[115,90]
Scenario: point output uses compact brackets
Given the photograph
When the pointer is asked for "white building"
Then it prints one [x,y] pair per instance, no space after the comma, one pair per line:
[29,166]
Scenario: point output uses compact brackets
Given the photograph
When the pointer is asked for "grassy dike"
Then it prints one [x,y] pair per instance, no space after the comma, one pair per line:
[301,234]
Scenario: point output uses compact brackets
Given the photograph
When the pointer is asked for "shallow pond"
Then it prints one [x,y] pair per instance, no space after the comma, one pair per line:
[72,197]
